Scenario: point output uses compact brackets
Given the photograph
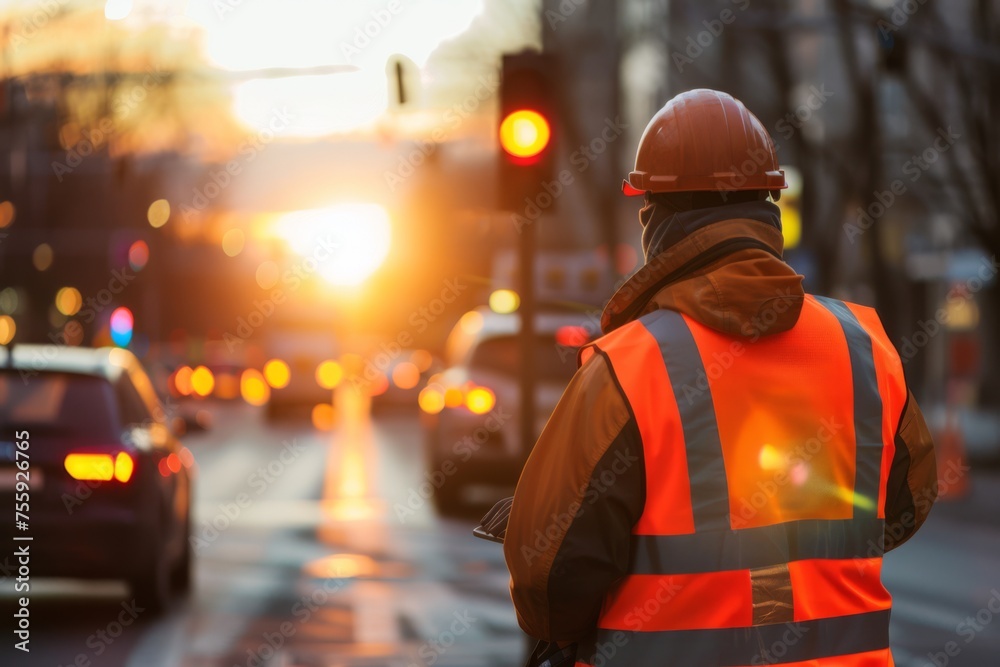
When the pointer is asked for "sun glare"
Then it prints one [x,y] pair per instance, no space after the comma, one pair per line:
[116,10]
[347,241]
[360,37]
[310,106]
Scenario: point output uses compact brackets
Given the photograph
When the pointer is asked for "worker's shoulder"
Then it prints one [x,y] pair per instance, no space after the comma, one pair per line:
[594,365]
[596,379]
[869,319]
[630,333]
[867,316]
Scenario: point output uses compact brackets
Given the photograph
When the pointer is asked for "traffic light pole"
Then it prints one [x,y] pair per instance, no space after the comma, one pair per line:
[526,161]
[526,267]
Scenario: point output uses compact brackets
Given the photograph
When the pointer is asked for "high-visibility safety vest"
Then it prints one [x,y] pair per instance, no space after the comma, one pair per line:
[766,461]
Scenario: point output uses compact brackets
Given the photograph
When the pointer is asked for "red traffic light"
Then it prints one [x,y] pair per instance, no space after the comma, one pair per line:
[524,133]
[528,128]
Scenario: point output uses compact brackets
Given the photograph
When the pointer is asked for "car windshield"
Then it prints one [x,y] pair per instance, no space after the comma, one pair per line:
[502,354]
[63,403]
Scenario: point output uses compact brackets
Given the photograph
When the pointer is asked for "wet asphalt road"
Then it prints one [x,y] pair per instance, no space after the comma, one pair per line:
[320,565]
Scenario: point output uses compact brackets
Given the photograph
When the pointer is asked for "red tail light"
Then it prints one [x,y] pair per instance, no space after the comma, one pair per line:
[99,467]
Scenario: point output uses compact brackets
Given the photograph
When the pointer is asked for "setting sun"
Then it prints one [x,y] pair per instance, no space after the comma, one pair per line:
[360,234]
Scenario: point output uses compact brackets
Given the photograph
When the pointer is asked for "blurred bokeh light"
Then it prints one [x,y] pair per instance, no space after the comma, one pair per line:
[69,301]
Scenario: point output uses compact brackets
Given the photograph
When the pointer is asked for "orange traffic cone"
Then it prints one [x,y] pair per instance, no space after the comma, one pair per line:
[952,464]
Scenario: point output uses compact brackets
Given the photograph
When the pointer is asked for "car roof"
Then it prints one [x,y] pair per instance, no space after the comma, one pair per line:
[497,324]
[105,362]
[489,325]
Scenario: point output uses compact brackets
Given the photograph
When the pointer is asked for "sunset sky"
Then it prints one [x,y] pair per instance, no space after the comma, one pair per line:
[237,38]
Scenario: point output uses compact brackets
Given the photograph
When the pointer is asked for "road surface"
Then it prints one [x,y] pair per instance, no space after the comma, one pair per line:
[322,550]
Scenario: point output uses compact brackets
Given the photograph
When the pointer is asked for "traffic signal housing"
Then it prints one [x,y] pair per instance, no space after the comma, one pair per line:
[526,130]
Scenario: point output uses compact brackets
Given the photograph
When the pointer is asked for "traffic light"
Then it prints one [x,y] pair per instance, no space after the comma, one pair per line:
[526,131]
[524,135]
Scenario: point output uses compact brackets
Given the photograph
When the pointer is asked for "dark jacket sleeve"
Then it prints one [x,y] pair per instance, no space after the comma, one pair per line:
[581,491]
[912,487]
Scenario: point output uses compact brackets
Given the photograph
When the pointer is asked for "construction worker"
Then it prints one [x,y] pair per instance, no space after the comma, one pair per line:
[722,476]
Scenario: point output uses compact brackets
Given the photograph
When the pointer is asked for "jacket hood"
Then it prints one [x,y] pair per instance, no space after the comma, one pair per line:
[726,271]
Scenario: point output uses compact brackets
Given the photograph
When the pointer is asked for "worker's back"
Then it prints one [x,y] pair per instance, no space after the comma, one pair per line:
[766,461]
[720,479]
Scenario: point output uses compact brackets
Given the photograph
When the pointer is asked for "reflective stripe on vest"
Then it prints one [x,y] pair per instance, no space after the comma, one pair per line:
[754,532]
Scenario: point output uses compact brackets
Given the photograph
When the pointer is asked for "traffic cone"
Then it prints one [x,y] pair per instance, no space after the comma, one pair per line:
[952,463]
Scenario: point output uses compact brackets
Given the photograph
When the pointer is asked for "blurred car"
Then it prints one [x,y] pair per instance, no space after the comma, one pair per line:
[110,485]
[295,349]
[200,381]
[472,409]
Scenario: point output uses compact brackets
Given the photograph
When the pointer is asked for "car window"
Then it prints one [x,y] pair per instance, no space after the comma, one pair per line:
[502,354]
[133,408]
[64,402]
[147,393]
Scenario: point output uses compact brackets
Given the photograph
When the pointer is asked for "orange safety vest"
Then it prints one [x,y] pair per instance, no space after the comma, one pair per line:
[766,459]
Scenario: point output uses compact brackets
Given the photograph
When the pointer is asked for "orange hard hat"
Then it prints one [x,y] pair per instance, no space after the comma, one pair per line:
[704,140]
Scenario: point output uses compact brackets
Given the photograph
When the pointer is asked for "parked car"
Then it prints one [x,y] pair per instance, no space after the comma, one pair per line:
[472,409]
[109,486]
